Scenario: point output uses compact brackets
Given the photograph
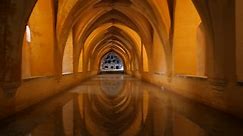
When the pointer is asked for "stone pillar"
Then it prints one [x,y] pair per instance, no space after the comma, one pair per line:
[141,59]
[76,52]
[13,19]
[75,60]
[58,64]
[169,68]
[218,17]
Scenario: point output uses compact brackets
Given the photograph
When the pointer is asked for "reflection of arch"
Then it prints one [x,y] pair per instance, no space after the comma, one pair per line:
[111,62]
[112,88]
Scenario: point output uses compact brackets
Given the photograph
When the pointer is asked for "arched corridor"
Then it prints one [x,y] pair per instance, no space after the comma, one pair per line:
[119,55]
[117,105]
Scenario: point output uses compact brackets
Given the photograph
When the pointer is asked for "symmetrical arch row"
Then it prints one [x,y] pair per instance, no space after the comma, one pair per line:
[152,36]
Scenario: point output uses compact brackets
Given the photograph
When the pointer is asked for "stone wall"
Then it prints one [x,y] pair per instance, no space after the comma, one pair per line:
[225,98]
[36,90]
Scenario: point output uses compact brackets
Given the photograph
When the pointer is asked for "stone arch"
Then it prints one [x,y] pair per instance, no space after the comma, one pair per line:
[11,41]
[112,62]
[221,51]
[185,43]
[35,59]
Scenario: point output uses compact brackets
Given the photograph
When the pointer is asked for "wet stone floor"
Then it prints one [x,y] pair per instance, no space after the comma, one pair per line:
[119,105]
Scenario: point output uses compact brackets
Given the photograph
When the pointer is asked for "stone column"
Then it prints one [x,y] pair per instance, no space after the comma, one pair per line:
[218,17]
[76,52]
[169,68]
[13,19]
[141,59]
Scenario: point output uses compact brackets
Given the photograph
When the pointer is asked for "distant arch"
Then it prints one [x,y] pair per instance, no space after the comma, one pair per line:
[111,62]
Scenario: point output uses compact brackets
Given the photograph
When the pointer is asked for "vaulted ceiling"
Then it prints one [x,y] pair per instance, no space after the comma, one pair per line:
[124,26]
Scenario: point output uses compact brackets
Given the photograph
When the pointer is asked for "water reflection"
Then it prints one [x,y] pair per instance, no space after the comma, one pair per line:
[115,105]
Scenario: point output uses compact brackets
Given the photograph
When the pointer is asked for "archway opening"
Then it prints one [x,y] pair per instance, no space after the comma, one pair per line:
[189,43]
[38,47]
[111,63]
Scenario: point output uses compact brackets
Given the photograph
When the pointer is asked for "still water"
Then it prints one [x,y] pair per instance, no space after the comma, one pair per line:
[119,105]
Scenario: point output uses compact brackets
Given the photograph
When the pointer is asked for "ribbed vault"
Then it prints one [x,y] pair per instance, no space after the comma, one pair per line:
[99,26]
[160,41]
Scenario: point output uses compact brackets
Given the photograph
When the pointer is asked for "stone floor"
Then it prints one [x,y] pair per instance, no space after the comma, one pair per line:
[120,105]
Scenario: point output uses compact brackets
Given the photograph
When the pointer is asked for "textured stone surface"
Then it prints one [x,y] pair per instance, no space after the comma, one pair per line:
[157,40]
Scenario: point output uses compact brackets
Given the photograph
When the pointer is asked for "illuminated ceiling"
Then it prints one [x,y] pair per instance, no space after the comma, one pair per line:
[124,26]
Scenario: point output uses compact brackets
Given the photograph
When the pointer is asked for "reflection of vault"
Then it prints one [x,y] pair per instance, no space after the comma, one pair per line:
[112,87]
[104,115]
